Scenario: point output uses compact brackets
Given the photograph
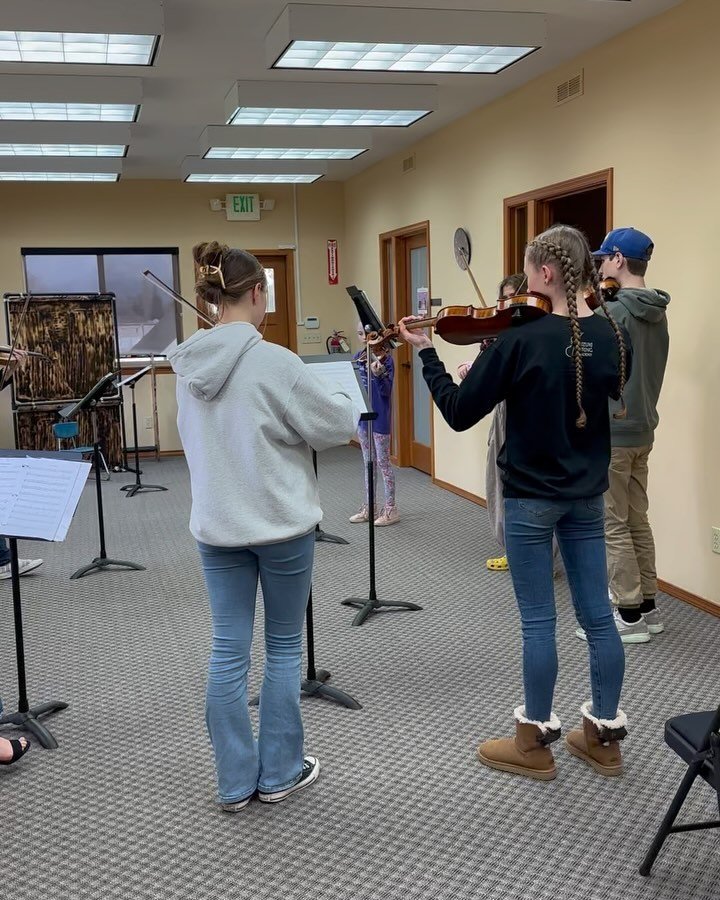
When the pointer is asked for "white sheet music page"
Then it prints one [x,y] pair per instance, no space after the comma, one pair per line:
[44,505]
[341,374]
[12,475]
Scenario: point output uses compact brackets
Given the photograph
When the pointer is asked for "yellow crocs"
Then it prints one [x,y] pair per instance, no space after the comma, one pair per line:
[499,564]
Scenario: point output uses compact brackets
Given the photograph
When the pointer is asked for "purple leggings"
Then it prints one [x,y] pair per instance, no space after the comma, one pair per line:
[382,460]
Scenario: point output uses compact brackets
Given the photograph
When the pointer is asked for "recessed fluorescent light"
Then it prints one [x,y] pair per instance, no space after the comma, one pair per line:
[66,47]
[256,115]
[280,153]
[373,57]
[62,149]
[59,176]
[253,179]
[69,112]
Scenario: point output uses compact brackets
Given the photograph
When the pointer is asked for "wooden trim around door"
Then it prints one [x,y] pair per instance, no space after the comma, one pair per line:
[534,201]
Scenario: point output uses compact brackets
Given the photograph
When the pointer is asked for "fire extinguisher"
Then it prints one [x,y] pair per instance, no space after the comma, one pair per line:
[337,343]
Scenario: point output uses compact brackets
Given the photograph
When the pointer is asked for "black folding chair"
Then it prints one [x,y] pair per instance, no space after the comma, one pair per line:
[695,737]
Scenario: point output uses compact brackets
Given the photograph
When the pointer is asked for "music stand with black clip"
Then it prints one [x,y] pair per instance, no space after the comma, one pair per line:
[371,323]
[27,717]
[90,401]
[138,487]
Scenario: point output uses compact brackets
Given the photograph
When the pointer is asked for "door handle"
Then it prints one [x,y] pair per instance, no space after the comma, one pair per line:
[406,365]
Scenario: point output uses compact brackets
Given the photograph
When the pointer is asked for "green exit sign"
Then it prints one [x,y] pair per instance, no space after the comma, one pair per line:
[242,207]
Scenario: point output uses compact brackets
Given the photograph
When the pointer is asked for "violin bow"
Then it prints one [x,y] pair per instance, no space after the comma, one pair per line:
[6,369]
[472,278]
[151,277]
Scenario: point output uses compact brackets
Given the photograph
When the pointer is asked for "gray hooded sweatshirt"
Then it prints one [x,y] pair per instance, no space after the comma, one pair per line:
[249,413]
[642,312]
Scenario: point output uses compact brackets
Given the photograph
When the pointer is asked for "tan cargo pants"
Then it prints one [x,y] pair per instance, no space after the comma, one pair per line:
[629,539]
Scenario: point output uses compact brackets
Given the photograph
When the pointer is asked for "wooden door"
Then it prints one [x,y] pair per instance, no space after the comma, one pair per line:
[417,302]
[279,327]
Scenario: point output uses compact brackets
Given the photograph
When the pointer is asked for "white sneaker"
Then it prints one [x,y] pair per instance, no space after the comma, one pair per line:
[388,516]
[24,566]
[309,774]
[236,807]
[654,622]
[630,632]
[360,516]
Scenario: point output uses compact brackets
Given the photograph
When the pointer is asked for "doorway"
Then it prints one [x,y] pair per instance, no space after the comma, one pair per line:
[584,203]
[280,327]
[405,267]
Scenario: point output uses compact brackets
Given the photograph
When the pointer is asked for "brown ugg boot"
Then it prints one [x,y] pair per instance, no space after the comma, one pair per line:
[598,741]
[528,753]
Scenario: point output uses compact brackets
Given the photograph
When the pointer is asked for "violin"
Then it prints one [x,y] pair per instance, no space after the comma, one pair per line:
[608,289]
[471,324]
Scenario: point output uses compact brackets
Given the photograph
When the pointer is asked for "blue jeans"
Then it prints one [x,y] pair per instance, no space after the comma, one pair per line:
[579,528]
[4,552]
[274,761]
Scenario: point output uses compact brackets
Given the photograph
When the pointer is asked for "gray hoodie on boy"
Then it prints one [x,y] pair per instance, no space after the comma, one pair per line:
[249,413]
[642,312]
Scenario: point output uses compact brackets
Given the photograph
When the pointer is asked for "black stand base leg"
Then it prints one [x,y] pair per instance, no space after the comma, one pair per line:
[29,721]
[316,687]
[101,563]
[133,489]
[321,535]
[373,605]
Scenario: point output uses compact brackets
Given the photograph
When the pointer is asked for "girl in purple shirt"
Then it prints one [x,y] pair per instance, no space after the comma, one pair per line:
[382,383]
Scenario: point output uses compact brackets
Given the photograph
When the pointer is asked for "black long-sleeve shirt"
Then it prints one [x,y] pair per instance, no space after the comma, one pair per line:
[531,367]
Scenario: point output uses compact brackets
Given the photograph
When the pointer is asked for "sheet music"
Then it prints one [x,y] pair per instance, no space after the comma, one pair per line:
[38,497]
[342,374]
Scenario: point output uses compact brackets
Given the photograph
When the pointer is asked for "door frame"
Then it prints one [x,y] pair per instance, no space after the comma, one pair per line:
[402,436]
[289,292]
[537,204]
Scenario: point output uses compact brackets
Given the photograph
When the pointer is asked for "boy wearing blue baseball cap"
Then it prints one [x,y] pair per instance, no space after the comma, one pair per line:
[624,256]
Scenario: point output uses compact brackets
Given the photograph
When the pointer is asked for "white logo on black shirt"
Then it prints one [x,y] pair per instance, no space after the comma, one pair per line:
[586,349]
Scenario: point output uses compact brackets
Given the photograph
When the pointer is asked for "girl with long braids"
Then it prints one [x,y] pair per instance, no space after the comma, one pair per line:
[555,376]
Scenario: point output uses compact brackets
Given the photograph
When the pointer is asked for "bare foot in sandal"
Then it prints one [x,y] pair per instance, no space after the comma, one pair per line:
[11,751]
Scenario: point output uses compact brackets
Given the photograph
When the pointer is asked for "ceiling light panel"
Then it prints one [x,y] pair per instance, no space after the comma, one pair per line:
[68,112]
[343,117]
[239,178]
[387,39]
[59,176]
[297,104]
[281,153]
[63,150]
[346,55]
[70,47]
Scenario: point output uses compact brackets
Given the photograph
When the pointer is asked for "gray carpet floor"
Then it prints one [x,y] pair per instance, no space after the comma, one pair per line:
[125,808]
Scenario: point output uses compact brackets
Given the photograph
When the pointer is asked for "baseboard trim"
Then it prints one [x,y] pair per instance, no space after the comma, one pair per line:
[665,586]
[473,498]
[687,597]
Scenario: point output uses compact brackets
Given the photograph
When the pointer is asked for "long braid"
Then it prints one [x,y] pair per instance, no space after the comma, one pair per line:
[595,281]
[571,277]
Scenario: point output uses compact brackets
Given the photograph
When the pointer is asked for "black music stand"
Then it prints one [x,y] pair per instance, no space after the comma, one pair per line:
[138,487]
[28,717]
[90,401]
[371,323]
[321,535]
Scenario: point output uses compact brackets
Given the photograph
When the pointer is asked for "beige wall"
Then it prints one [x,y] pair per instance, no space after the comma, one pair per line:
[169,214]
[645,113]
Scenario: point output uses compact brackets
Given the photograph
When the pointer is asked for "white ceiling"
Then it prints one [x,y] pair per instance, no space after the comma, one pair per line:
[208,45]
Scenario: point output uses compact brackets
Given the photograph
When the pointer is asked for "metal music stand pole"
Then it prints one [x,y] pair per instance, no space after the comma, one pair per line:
[372,604]
[138,487]
[90,401]
[26,717]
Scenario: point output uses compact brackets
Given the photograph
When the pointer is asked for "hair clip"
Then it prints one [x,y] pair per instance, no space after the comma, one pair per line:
[213,270]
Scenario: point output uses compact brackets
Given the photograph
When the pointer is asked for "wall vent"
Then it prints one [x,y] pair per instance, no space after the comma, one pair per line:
[570,89]
[408,164]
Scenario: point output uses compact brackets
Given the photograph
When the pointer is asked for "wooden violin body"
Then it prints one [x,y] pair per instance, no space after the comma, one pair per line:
[463,325]
[608,288]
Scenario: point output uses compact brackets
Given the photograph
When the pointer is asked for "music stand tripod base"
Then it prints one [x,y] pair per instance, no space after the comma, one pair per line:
[101,563]
[369,606]
[323,536]
[29,721]
[133,489]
